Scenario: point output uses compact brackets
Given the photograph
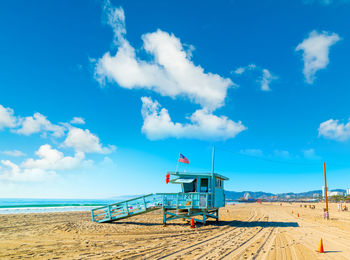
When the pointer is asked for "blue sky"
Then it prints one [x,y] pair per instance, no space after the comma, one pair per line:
[98,98]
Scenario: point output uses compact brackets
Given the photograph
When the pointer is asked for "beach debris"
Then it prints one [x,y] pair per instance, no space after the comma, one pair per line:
[320,247]
[192,224]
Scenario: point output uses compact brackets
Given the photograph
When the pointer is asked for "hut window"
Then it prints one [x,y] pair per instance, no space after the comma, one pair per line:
[204,185]
[190,187]
[219,183]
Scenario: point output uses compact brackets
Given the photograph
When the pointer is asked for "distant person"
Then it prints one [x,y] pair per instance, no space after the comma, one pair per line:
[325,214]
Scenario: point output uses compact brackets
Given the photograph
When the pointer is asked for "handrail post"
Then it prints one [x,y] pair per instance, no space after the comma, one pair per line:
[92,215]
[109,212]
[192,195]
[144,202]
[127,208]
[206,201]
[177,200]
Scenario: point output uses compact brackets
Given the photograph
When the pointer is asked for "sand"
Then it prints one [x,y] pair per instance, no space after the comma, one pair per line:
[246,231]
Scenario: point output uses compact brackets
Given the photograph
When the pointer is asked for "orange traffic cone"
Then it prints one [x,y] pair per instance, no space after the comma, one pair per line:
[192,224]
[320,247]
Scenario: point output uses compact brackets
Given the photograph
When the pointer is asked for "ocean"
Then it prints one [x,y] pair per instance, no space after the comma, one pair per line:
[15,206]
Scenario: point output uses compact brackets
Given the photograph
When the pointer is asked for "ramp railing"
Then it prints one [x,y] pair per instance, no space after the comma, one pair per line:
[146,203]
[126,208]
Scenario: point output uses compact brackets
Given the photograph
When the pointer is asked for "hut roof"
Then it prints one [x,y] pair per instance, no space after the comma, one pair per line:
[199,174]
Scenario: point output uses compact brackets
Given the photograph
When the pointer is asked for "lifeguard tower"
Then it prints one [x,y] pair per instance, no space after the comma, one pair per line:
[201,196]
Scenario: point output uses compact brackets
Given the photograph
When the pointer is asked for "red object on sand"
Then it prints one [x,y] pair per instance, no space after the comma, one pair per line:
[320,247]
[192,224]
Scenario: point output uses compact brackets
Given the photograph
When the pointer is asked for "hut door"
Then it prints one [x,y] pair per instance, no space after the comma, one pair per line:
[219,193]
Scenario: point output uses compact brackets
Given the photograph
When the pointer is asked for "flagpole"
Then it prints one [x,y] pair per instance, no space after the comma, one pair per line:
[212,165]
[177,164]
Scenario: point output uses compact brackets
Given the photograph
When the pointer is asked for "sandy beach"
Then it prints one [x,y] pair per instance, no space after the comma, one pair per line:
[245,231]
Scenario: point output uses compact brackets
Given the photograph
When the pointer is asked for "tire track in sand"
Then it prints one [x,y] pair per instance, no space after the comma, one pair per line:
[243,249]
[180,251]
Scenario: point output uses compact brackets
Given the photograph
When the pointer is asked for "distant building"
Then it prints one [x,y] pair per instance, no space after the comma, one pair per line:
[315,195]
[347,191]
[335,193]
[323,192]
[332,193]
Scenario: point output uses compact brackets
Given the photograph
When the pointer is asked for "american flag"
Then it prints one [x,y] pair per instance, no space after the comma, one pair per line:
[183,159]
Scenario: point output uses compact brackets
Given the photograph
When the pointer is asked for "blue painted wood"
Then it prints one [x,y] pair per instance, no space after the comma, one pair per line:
[125,208]
[195,203]
[191,200]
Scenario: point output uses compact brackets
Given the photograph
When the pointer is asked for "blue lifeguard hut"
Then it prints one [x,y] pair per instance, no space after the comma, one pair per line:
[201,196]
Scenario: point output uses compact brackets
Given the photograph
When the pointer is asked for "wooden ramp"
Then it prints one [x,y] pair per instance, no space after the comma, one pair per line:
[126,208]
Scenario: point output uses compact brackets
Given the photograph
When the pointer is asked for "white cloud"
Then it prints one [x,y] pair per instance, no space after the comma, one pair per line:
[52,159]
[84,141]
[39,124]
[332,129]
[266,79]
[115,18]
[204,125]
[170,73]
[15,153]
[282,153]
[49,160]
[241,70]
[7,119]
[78,121]
[315,52]
[252,152]
[12,172]
[310,154]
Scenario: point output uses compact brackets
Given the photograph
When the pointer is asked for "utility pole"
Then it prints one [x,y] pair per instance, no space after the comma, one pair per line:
[325,189]
[212,165]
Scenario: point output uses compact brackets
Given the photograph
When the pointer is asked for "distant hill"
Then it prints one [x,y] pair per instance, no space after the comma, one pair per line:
[234,195]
